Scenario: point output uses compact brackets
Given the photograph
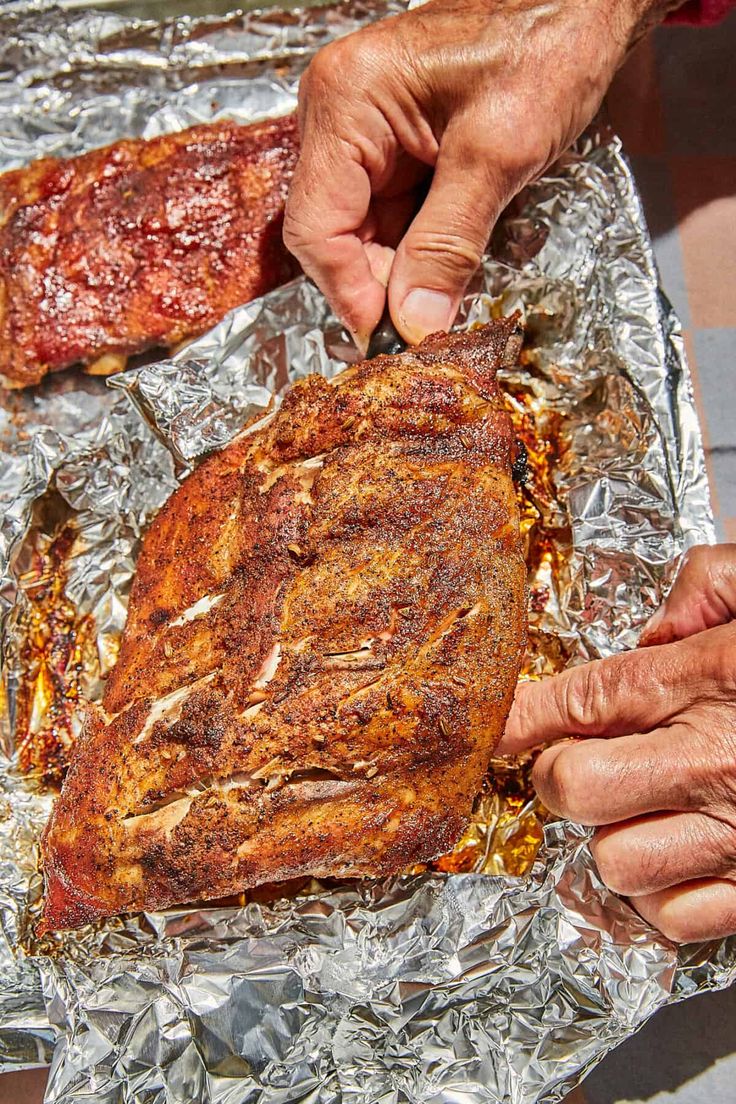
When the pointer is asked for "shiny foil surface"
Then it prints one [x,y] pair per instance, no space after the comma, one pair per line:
[506,971]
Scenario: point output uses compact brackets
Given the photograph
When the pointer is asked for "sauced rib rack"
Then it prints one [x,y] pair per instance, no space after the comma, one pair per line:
[140,244]
[322,643]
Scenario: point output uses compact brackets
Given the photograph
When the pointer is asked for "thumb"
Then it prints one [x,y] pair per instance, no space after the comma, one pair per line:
[328,202]
[631,692]
[445,242]
[702,596]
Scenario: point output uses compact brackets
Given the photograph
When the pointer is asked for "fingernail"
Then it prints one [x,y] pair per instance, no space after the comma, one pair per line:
[424,312]
[360,335]
[361,341]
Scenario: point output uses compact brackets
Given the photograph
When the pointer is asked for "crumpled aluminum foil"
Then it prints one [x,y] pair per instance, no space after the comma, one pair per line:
[427,988]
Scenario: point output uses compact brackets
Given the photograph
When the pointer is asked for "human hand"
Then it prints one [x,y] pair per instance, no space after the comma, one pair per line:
[656,770]
[476,96]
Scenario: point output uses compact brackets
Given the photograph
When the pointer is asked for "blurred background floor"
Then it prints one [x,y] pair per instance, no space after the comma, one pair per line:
[674,104]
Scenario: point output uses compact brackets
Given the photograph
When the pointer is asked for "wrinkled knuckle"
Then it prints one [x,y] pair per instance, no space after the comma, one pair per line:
[569,785]
[623,869]
[344,64]
[637,674]
[698,559]
[696,575]
[720,656]
[708,559]
[525,710]
[294,230]
[613,864]
[325,66]
[450,254]
[586,697]
[691,769]
[631,873]
[679,929]
[648,873]
[706,782]
[545,781]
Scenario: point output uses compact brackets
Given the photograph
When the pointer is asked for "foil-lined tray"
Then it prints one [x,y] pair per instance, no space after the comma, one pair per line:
[506,981]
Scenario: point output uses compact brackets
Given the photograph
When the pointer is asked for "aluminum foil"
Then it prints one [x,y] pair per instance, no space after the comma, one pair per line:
[434,988]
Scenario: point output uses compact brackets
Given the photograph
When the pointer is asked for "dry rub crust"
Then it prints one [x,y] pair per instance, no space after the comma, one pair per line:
[323,639]
[140,244]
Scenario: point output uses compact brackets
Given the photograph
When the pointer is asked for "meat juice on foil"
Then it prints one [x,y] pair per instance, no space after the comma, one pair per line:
[505,971]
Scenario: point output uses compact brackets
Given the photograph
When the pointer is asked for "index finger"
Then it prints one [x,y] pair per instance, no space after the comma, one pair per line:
[328,203]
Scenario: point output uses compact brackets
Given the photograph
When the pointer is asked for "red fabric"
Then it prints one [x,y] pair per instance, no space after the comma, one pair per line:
[702,13]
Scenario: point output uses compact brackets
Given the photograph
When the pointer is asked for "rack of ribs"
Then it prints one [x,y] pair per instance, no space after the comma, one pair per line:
[323,640]
[142,244]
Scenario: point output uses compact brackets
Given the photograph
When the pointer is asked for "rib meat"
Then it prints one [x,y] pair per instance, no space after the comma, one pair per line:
[140,244]
[322,644]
